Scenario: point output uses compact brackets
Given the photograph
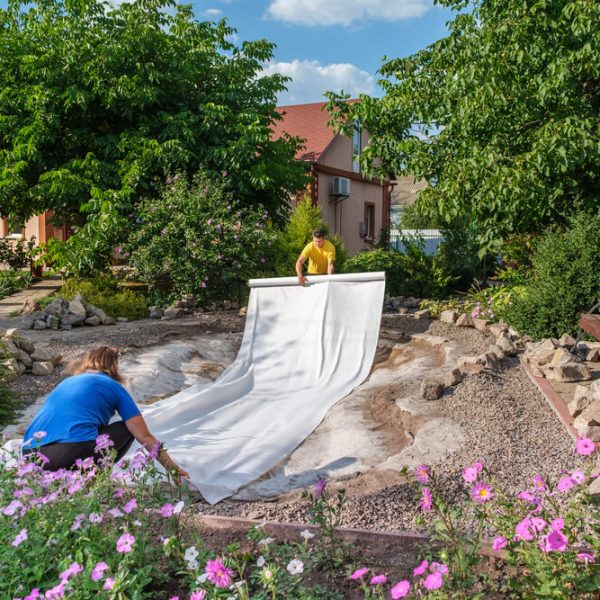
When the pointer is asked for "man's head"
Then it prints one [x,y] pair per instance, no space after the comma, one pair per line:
[318,236]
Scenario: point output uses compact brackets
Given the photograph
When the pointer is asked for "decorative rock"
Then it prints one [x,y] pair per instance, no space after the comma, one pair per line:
[8,349]
[595,390]
[39,324]
[497,328]
[243,311]
[448,316]
[122,320]
[235,305]
[562,356]
[412,302]
[108,320]
[542,356]
[580,401]
[422,314]
[71,320]
[45,355]
[29,306]
[155,312]
[22,342]
[23,357]
[431,390]
[453,377]
[464,320]
[536,371]
[592,433]
[568,372]
[42,368]
[471,365]
[52,322]
[594,488]
[94,321]
[227,304]
[590,416]
[57,307]
[504,342]
[10,369]
[212,307]
[199,310]
[548,344]
[27,322]
[480,324]
[172,313]
[566,341]
[77,308]
[593,355]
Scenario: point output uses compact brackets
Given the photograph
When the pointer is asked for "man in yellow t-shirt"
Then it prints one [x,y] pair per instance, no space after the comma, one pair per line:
[320,254]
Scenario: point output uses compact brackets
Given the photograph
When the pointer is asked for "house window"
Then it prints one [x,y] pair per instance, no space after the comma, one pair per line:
[15,230]
[356,147]
[370,220]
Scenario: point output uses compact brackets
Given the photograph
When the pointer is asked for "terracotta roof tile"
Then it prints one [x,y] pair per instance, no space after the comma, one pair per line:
[309,122]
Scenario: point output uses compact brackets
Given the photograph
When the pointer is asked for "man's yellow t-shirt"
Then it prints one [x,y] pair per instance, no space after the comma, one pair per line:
[318,258]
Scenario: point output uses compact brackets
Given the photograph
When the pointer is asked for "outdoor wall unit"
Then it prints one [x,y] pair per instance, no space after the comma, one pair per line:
[340,186]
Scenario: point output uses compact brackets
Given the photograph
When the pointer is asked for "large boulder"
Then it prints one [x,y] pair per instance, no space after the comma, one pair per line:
[448,316]
[76,307]
[58,307]
[44,354]
[71,320]
[42,367]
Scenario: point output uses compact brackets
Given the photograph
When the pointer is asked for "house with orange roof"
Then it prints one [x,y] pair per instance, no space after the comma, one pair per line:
[354,207]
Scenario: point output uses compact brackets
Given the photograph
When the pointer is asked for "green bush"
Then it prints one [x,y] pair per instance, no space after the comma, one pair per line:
[194,239]
[565,281]
[298,232]
[105,292]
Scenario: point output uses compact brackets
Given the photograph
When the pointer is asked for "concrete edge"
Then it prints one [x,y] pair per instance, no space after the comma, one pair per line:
[555,401]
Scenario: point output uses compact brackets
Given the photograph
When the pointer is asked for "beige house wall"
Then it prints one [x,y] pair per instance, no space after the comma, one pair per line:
[344,215]
[39,226]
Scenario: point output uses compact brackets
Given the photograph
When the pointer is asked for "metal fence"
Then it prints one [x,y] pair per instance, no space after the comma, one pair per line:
[429,239]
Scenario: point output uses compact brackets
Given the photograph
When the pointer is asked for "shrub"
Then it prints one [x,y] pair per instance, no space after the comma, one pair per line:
[565,281]
[195,239]
[104,291]
[17,254]
[298,232]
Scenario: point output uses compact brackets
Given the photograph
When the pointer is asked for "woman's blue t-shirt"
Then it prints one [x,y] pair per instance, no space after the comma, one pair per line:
[78,407]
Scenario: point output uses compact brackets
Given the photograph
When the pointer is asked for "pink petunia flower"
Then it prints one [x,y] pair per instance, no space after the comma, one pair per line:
[57,592]
[20,538]
[557,524]
[400,590]
[109,584]
[125,543]
[130,506]
[420,569]
[378,580]
[564,484]
[218,574]
[523,530]
[198,595]
[422,473]
[482,492]
[166,510]
[539,482]
[73,569]
[499,543]
[103,442]
[586,558]
[585,446]
[555,541]
[359,573]
[320,488]
[538,524]
[98,571]
[433,581]
[578,476]
[33,595]
[426,499]
[436,567]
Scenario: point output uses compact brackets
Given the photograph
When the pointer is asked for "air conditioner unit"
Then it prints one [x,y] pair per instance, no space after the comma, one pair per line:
[340,186]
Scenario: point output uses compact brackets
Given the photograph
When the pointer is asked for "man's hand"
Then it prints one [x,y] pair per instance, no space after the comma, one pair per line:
[302,280]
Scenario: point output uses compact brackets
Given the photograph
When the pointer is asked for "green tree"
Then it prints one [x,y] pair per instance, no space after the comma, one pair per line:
[501,117]
[98,103]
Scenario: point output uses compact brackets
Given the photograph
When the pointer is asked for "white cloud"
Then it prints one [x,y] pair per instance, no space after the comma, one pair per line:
[310,80]
[213,12]
[345,12]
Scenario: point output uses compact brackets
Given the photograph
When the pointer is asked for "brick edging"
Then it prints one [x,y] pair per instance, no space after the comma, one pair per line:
[555,401]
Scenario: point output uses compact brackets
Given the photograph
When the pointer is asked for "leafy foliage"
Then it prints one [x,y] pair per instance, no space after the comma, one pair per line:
[500,117]
[17,254]
[100,100]
[196,239]
[297,232]
[565,281]
[105,292]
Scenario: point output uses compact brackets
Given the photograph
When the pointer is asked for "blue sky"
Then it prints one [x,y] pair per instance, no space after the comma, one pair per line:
[329,44]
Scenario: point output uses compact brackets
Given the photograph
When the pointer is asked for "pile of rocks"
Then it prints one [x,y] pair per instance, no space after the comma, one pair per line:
[585,410]
[62,314]
[400,304]
[563,359]
[188,306]
[18,354]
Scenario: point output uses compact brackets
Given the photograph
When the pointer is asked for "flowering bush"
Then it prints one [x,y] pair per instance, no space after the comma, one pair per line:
[196,239]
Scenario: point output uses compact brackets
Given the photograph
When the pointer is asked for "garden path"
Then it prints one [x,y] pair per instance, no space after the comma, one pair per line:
[37,291]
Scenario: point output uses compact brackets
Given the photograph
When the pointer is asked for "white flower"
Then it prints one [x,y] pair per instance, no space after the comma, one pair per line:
[202,578]
[260,563]
[191,554]
[266,541]
[192,564]
[95,517]
[307,535]
[267,574]
[295,566]
[178,507]
[137,523]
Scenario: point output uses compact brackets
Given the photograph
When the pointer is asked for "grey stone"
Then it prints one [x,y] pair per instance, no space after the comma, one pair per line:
[77,308]
[594,488]
[431,390]
[471,365]
[27,322]
[93,321]
[580,401]
[497,328]
[593,355]
[568,373]
[71,320]
[592,433]
[595,389]
[590,416]
[423,314]
[52,322]
[46,355]
[453,377]
[122,320]
[504,342]
[155,312]
[448,316]
[542,356]
[464,320]
[566,341]
[10,368]
[243,311]
[480,324]
[23,357]
[8,348]
[235,305]
[24,343]
[227,304]
[562,356]
[42,368]
[108,320]
[94,311]
[39,324]
[412,302]
[172,313]
[58,307]
[38,315]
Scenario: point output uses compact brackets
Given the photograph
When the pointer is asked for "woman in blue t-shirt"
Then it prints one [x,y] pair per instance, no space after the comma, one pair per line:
[79,409]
